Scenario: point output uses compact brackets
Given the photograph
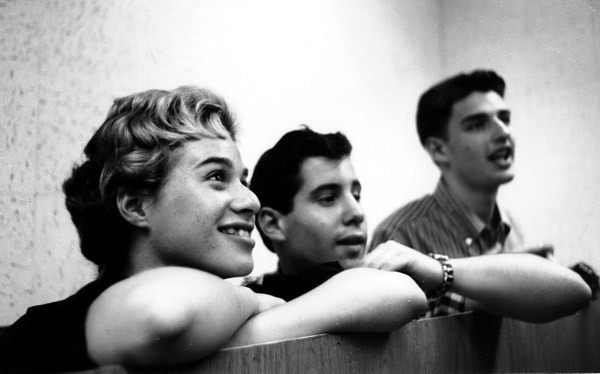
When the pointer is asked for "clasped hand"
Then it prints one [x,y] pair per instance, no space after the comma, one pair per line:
[393,256]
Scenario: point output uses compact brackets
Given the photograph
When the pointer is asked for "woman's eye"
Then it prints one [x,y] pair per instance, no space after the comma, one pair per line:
[218,176]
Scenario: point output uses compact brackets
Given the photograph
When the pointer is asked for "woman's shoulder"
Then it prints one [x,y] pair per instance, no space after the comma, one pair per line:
[51,336]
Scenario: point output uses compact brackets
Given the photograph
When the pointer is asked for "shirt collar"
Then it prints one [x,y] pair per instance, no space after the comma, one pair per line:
[472,223]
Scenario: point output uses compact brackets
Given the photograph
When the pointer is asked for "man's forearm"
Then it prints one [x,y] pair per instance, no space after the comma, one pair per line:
[522,286]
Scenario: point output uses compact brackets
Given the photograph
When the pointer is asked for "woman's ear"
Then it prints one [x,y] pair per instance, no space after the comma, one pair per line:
[132,208]
[438,151]
[271,223]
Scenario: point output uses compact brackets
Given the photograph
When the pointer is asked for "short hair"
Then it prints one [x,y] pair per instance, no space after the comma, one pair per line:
[435,105]
[134,150]
[276,179]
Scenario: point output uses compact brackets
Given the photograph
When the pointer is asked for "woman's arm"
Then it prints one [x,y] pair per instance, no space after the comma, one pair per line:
[354,300]
[168,315]
[173,315]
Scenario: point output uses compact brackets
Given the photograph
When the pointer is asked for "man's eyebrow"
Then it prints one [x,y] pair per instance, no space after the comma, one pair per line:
[483,115]
[475,117]
[325,187]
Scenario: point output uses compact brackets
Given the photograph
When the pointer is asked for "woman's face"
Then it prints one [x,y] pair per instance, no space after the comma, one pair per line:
[204,214]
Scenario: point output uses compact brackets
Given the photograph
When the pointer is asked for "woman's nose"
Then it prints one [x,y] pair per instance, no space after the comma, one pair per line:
[246,201]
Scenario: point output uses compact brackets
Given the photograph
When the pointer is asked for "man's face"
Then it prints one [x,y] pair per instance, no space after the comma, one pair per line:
[479,145]
[327,222]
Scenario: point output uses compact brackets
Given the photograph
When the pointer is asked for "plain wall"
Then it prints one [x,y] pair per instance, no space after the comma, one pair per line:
[358,67]
[549,53]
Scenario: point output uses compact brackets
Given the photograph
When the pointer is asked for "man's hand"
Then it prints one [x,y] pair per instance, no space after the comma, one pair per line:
[393,256]
[543,250]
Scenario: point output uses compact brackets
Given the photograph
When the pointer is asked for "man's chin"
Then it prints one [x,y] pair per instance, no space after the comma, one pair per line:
[352,255]
[506,178]
[497,179]
[348,263]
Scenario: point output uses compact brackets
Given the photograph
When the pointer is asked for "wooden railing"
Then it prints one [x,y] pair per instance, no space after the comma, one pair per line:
[471,342]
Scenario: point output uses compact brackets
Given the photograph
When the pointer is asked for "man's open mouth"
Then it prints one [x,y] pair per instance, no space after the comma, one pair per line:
[352,240]
[502,154]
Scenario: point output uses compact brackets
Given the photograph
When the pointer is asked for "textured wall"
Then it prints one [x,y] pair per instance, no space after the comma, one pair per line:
[358,67]
[549,53]
[333,65]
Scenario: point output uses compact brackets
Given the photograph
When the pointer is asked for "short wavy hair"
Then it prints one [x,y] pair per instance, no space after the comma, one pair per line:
[435,105]
[133,150]
[276,180]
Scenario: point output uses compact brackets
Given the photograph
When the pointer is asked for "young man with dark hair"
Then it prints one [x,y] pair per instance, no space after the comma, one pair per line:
[464,124]
[311,216]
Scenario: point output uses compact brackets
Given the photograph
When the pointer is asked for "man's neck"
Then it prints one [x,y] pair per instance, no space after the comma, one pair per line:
[284,266]
[480,202]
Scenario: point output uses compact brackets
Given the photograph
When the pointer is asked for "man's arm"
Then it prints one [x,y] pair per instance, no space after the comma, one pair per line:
[517,285]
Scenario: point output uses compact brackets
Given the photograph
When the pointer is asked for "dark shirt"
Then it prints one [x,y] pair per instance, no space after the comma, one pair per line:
[51,337]
[289,287]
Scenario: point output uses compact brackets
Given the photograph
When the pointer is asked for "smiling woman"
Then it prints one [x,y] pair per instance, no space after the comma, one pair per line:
[203,204]
[162,207]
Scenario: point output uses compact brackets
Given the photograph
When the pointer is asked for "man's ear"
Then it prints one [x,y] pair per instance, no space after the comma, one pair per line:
[271,223]
[437,149]
[132,208]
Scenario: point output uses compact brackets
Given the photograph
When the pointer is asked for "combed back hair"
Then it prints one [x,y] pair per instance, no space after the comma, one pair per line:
[435,105]
[133,151]
[276,179]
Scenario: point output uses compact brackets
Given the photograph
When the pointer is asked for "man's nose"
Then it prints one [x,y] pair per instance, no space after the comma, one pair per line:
[501,129]
[354,214]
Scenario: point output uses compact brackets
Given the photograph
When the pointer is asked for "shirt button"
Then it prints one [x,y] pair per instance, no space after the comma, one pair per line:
[469,241]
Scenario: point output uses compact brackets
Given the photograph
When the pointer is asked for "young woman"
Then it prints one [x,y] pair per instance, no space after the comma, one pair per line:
[162,207]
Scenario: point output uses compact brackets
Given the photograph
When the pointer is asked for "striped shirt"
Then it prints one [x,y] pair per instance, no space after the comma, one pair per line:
[439,223]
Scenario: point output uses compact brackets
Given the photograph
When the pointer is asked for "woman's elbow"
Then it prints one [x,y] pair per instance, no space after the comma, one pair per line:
[167,321]
[145,335]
